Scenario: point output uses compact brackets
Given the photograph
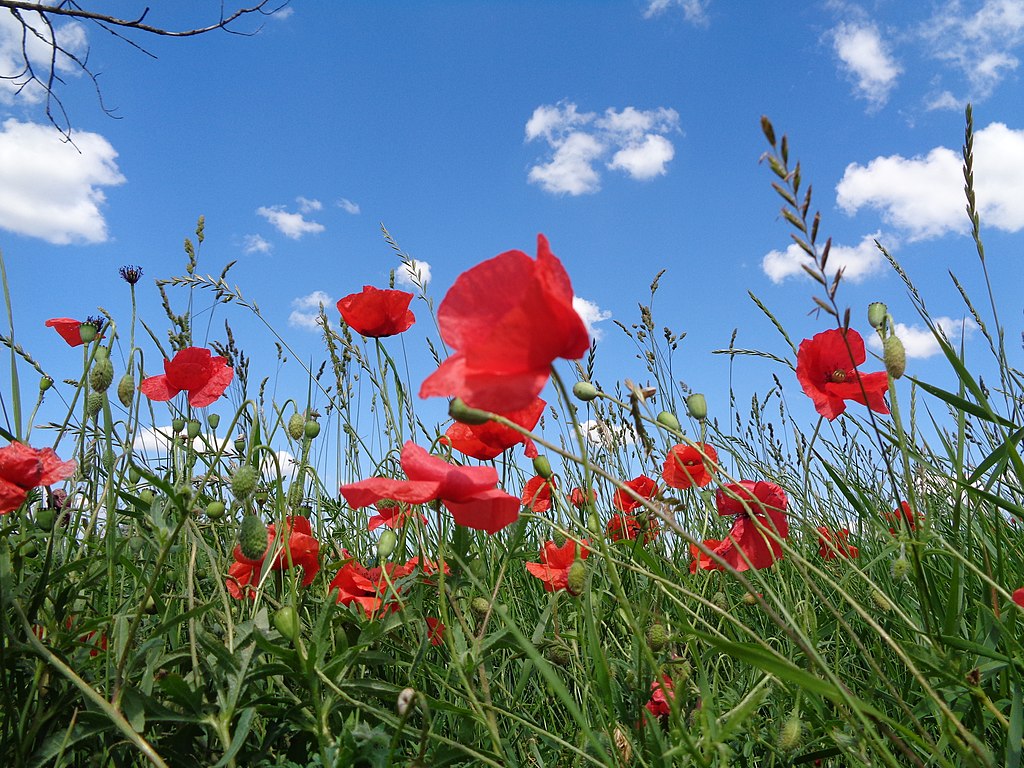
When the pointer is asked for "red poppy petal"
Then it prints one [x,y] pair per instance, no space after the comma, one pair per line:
[68,329]
[489,511]
[368,492]
[158,388]
[454,483]
[220,376]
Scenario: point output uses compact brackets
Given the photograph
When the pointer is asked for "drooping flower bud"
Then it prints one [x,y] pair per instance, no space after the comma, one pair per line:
[584,390]
[94,404]
[286,621]
[895,356]
[790,733]
[102,374]
[243,482]
[877,312]
[558,653]
[295,426]
[480,606]
[386,543]
[669,420]
[542,466]
[252,537]
[697,406]
[126,390]
[576,578]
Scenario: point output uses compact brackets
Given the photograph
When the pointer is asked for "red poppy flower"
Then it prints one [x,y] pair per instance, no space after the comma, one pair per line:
[488,440]
[392,514]
[629,527]
[1018,596]
[469,493]
[704,562]
[68,329]
[827,370]
[23,468]
[835,544]
[537,493]
[297,547]
[435,631]
[376,313]
[508,319]
[760,521]
[689,465]
[374,589]
[750,497]
[902,515]
[555,562]
[579,499]
[662,694]
[194,370]
[643,486]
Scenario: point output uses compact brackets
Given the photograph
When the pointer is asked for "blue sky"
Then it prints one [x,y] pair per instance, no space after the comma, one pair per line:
[627,132]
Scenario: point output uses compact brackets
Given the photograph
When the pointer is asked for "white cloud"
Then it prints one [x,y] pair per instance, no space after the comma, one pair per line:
[920,342]
[924,195]
[306,205]
[283,13]
[293,225]
[865,58]
[286,462]
[348,206]
[50,189]
[591,314]
[70,36]
[256,244]
[578,140]
[159,440]
[608,435]
[413,275]
[980,45]
[694,11]
[945,100]
[306,310]
[858,261]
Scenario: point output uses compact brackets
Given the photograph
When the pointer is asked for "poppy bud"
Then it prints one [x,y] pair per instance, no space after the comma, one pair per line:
[657,637]
[215,510]
[146,496]
[480,606]
[900,568]
[45,519]
[213,420]
[880,600]
[286,621]
[894,356]
[790,733]
[243,482]
[93,404]
[126,390]
[133,474]
[45,383]
[576,578]
[295,426]
[542,466]
[558,654]
[136,544]
[240,444]
[876,314]
[252,537]
[311,428]
[719,600]
[697,406]
[386,543]
[669,420]
[749,599]
[193,428]
[463,414]
[584,390]
[177,424]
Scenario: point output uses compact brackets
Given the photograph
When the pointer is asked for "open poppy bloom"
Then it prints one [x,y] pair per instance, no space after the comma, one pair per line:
[490,439]
[23,468]
[194,370]
[834,544]
[555,562]
[662,694]
[759,508]
[1018,596]
[508,319]
[579,499]
[377,313]
[390,513]
[68,329]
[902,515]
[689,465]
[435,631]
[296,547]
[537,493]
[826,367]
[628,527]
[643,486]
[470,493]
[373,589]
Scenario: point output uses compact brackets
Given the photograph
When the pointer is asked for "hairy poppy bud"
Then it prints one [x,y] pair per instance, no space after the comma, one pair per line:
[463,414]
[894,356]
[880,600]
[480,606]
[790,733]
[102,374]
[386,543]
[558,654]
[657,637]
[876,314]
[243,482]
[668,419]
[584,390]
[126,390]
[576,578]
[215,510]
[93,404]
[900,568]
[252,537]
[295,426]
[193,428]
[311,428]
[542,466]
[286,621]
[697,406]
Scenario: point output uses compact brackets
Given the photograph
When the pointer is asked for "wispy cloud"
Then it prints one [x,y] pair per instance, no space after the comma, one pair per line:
[306,310]
[293,225]
[694,11]
[607,435]
[591,314]
[36,42]
[865,58]
[348,206]
[306,205]
[919,342]
[256,244]
[634,138]
[414,275]
[51,189]
[858,261]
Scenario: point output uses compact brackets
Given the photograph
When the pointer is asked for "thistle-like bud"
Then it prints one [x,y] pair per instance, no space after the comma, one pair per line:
[576,578]
[126,390]
[542,466]
[877,312]
[790,733]
[558,654]
[894,356]
[252,537]
[697,406]
[94,404]
[296,425]
[657,637]
[669,420]
[243,482]
[584,390]
[102,374]
[463,414]
[900,568]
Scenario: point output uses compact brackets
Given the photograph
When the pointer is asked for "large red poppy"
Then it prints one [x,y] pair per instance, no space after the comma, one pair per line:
[643,486]
[753,541]
[826,367]
[490,439]
[23,468]
[194,370]
[508,319]
[68,329]
[470,493]
[297,547]
[537,493]
[377,313]
[834,544]
[689,465]
[555,562]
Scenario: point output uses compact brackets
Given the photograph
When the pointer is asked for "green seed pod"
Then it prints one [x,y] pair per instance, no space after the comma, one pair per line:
[311,428]
[133,474]
[894,356]
[215,510]
[576,578]
[877,312]
[213,420]
[87,332]
[193,428]
[296,425]
[146,496]
[790,733]
[252,537]
[697,406]
[240,445]
[542,466]
[177,424]
[126,390]
[584,390]
[480,606]
[463,414]
[94,404]
[657,637]
[669,420]
[243,482]
[386,543]
[286,621]
[45,383]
